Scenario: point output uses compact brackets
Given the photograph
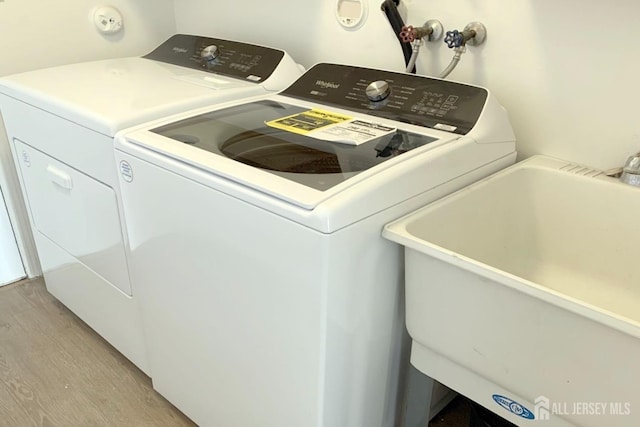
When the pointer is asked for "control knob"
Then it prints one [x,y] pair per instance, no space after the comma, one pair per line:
[378,90]
[209,53]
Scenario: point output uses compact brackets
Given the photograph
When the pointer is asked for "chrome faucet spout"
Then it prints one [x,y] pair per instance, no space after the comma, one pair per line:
[631,171]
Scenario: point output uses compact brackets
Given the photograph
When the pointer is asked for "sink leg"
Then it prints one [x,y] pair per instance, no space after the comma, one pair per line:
[418,399]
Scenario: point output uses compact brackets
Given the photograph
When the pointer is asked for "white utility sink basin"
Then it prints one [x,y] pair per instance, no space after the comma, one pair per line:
[523,293]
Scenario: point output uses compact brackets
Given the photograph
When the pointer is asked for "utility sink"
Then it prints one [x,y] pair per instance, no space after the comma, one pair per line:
[523,293]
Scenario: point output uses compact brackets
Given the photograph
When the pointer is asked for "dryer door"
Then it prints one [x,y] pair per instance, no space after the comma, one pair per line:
[76,212]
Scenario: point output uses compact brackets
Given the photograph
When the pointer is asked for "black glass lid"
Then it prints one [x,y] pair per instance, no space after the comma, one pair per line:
[275,154]
[240,133]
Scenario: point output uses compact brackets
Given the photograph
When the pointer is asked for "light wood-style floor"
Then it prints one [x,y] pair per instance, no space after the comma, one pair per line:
[56,371]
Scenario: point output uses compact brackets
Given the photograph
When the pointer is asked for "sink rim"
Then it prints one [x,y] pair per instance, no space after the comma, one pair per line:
[397,232]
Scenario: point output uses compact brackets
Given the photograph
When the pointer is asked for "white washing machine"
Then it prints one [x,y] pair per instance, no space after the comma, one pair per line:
[269,297]
[61,122]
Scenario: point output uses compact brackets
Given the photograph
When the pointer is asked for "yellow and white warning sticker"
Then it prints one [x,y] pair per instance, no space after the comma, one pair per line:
[308,121]
[330,126]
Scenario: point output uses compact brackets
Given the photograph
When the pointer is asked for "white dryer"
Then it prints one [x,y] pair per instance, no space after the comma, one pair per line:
[61,122]
[269,297]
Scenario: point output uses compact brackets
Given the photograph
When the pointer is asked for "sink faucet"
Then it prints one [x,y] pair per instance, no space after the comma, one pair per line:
[631,171]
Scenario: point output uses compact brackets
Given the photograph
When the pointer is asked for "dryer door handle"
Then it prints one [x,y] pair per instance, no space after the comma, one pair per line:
[59,177]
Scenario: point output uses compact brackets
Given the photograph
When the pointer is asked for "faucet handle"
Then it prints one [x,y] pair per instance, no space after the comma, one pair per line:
[631,171]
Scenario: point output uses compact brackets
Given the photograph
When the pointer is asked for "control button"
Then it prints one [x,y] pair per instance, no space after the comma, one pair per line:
[445,127]
[209,53]
[378,90]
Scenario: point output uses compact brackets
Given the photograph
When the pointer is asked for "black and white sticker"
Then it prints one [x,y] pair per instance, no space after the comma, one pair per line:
[126,171]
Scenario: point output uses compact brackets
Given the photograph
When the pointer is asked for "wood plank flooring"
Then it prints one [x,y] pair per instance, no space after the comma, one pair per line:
[56,371]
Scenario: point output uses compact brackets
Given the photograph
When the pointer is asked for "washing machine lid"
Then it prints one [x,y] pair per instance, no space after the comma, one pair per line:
[299,168]
[302,145]
[109,95]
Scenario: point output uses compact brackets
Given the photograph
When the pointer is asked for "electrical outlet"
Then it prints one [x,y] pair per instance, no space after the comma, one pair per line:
[107,19]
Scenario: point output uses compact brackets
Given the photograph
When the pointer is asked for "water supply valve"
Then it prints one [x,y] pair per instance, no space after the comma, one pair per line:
[454,39]
[473,34]
[431,31]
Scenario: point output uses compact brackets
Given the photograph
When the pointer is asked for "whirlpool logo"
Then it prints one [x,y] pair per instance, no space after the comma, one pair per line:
[327,85]
[513,407]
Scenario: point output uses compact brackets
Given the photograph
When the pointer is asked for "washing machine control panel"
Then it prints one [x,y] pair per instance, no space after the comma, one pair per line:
[408,98]
[209,54]
[378,90]
[230,58]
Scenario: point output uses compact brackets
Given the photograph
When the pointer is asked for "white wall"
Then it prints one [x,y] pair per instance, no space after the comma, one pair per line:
[37,34]
[566,71]
[40,33]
